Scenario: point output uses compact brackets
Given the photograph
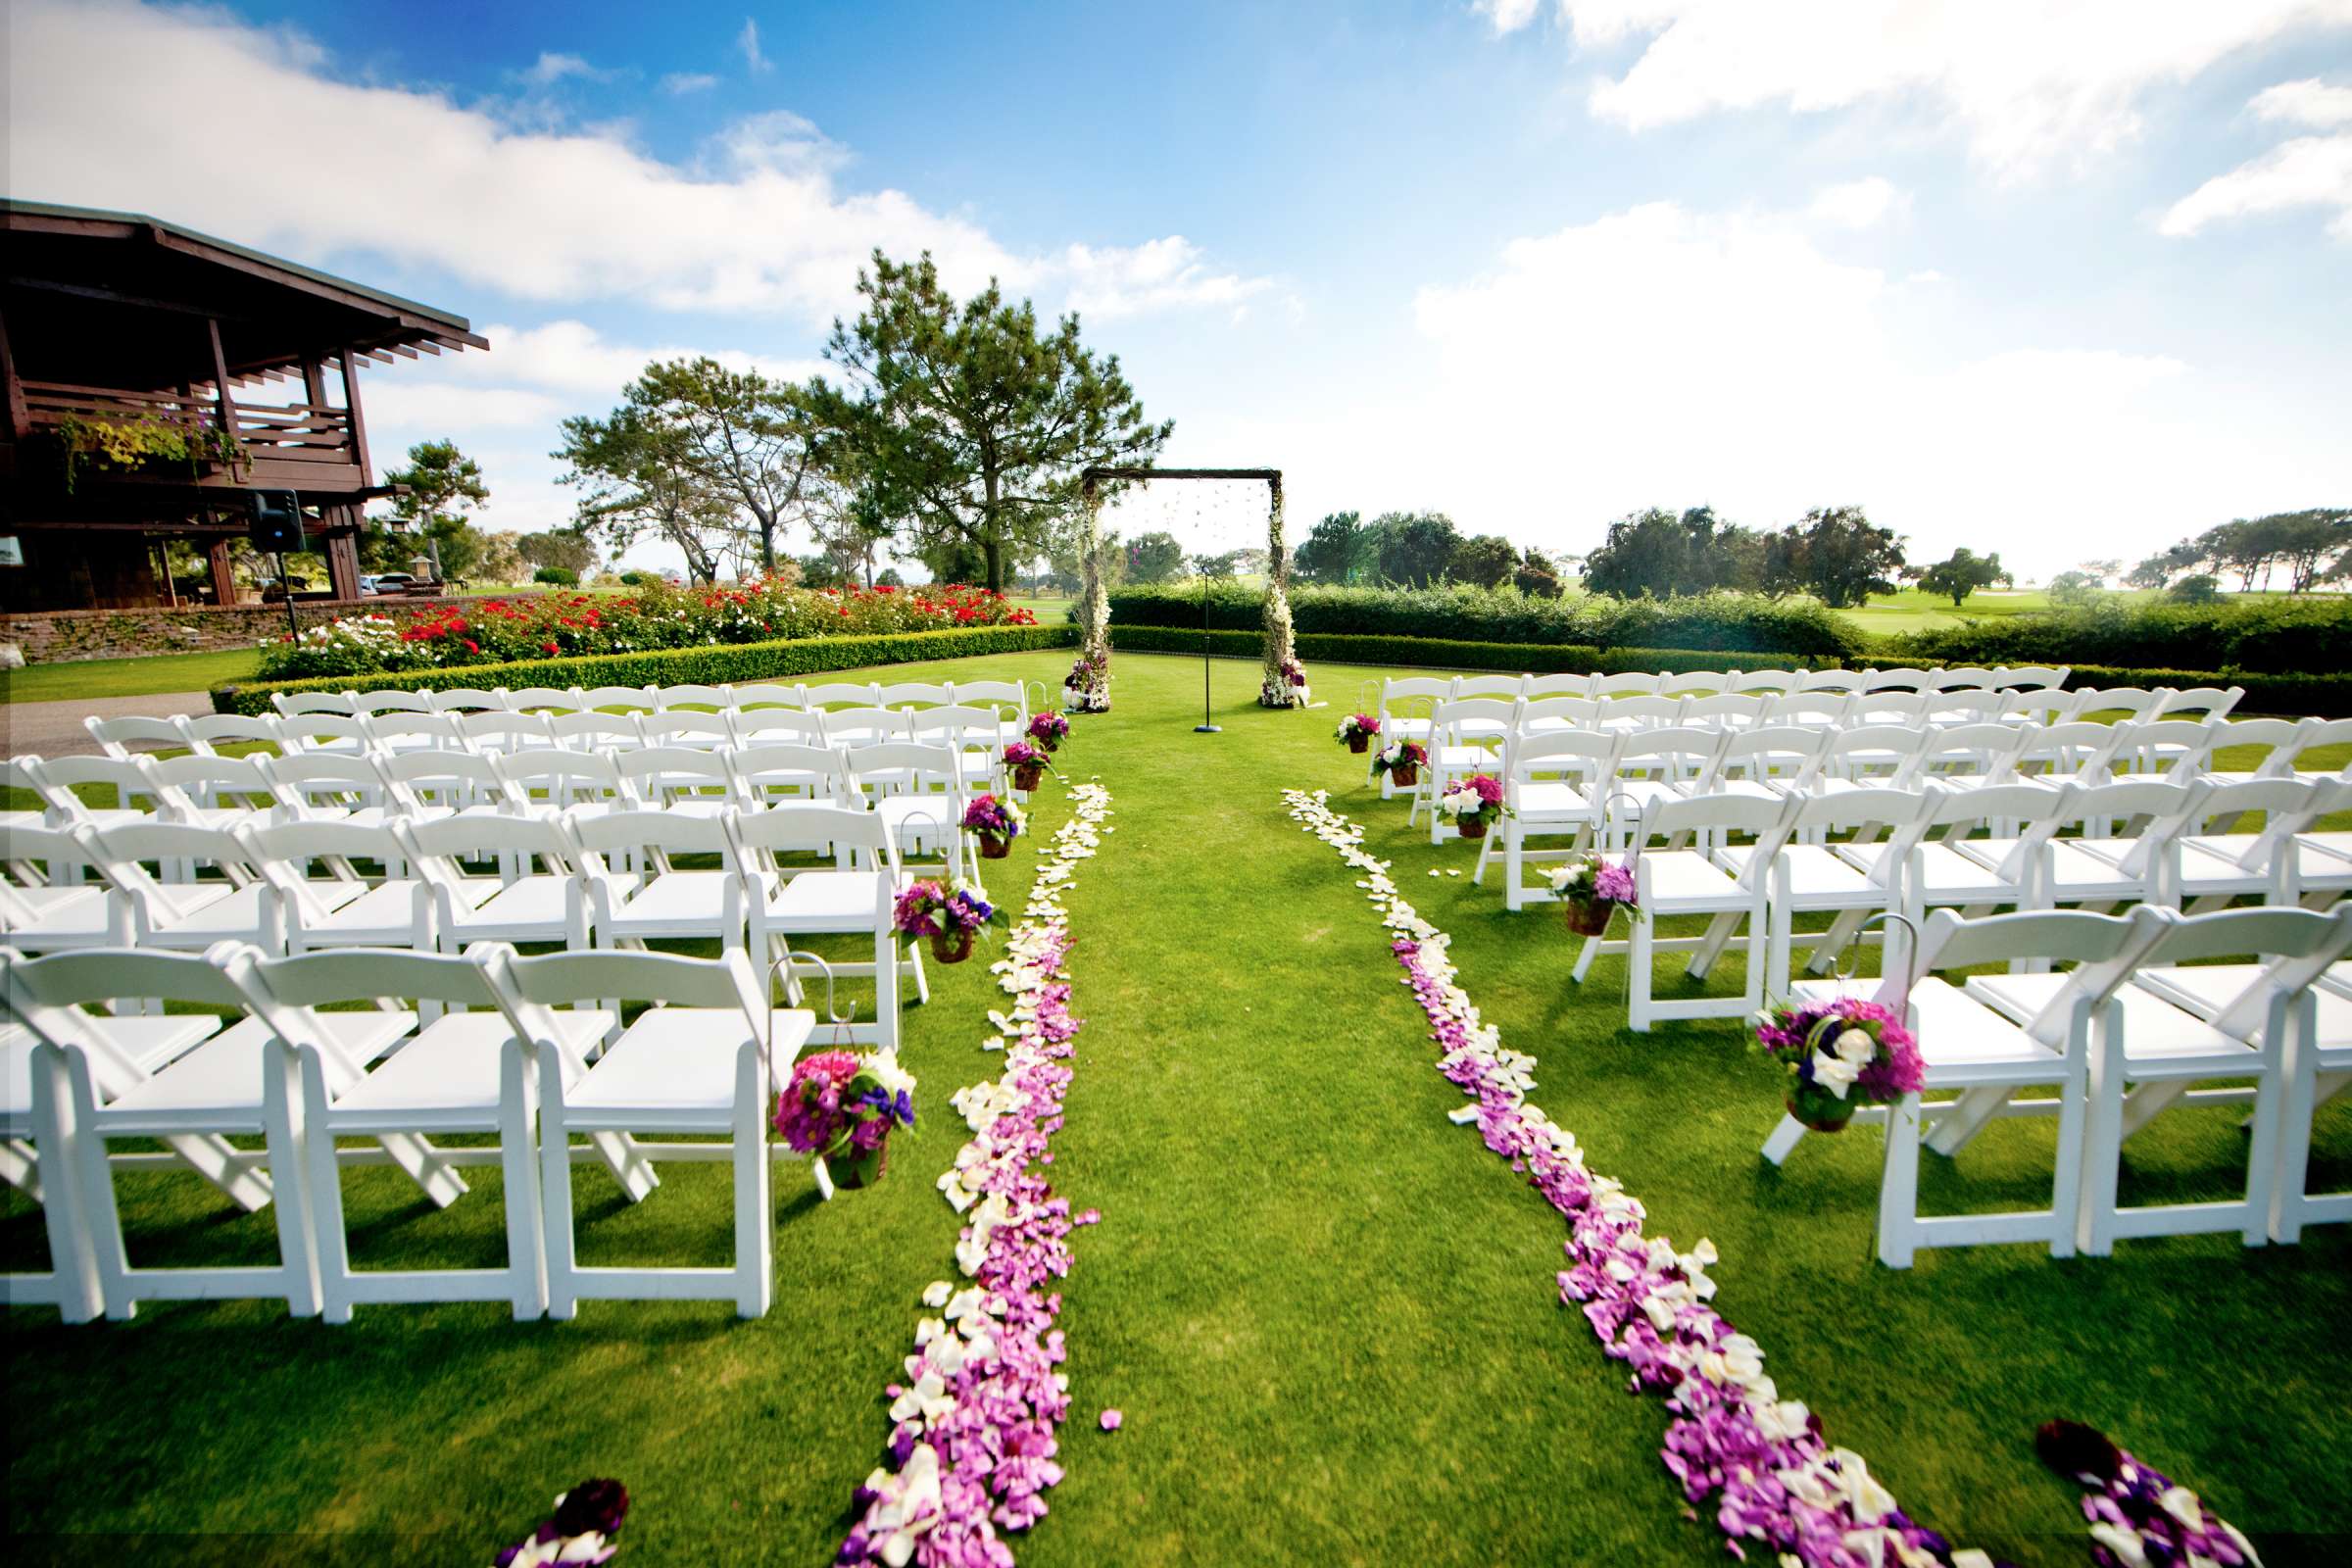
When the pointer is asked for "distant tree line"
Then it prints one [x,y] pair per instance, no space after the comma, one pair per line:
[2311,546]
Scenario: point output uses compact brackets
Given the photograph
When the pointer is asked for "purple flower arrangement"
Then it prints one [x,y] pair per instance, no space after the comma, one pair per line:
[994,818]
[1840,1056]
[1472,801]
[1778,1486]
[2139,1515]
[1020,754]
[1048,730]
[1293,672]
[1400,756]
[933,908]
[840,1104]
[1593,890]
[586,1519]
[973,1444]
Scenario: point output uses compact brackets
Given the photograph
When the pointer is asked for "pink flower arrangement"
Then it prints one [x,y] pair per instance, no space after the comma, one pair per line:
[930,910]
[1840,1056]
[1020,754]
[1048,730]
[994,818]
[839,1102]
[1473,801]
[1358,726]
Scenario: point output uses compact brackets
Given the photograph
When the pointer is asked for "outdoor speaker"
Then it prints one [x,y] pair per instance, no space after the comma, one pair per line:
[276,521]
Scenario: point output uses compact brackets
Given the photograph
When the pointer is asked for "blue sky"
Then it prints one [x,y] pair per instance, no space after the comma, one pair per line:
[2064,280]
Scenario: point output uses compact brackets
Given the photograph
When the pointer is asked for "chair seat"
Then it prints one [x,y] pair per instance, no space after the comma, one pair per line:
[676,898]
[825,900]
[59,915]
[1541,801]
[222,1077]
[1814,872]
[1961,1040]
[1945,874]
[447,1078]
[2205,989]
[1463,758]
[2076,873]
[1687,882]
[384,912]
[2335,843]
[230,912]
[2155,1032]
[538,901]
[674,1069]
[150,1042]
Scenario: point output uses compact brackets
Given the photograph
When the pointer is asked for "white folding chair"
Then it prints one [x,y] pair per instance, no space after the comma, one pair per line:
[2311,736]
[1904,680]
[1657,764]
[425,786]
[1727,711]
[1554,786]
[855,694]
[1631,683]
[1466,738]
[761,696]
[369,704]
[1770,759]
[224,899]
[687,729]
[216,791]
[1404,708]
[344,908]
[463,1074]
[1673,881]
[1762,682]
[620,699]
[2097,871]
[855,896]
[333,787]
[59,782]
[786,773]
[865,726]
[121,738]
[611,733]
[2216,865]
[2210,702]
[1810,875]
[1538,687]
[701,1062]
[45,906]
[914,694]
[635,893]
[2034,677]
[556,781]
[1696,683]
[1967,1046]
[1538,715]
[1639,712]
[1010,698]
[971,733]
[543,700]
[209,732]
[296,705]
[694,694]
[219,1086]
[1844,682]
[532,894]
[778,726]
[459,701]
[919,790]
[322,732]
[680,778]
[496,733]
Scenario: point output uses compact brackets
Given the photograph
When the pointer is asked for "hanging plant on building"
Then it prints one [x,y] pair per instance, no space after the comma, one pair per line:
[128,446]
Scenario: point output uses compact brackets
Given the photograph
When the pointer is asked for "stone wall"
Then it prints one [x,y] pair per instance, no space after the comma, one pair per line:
[62,636]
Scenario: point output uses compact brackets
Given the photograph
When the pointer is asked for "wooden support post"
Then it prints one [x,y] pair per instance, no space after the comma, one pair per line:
[358,426]
[228,409]
[19,418]
[224,573]
[343,551]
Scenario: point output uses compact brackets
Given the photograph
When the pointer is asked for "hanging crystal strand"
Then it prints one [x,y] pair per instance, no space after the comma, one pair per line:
[1285,679]
[1087,690]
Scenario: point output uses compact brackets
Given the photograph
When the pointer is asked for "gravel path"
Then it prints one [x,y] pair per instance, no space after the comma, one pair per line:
[54,729]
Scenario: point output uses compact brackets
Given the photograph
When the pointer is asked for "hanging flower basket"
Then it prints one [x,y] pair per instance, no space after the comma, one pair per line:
[1821,1111]
[1471,804]
[997,823]
[1406,775]
[855,1170]
[1838,1055]
[1401,761]
[1587,917]
[993,847]
[1473,827]
[1027,761]
[1357,730]
[1024,777]
[951,946]
[950,915]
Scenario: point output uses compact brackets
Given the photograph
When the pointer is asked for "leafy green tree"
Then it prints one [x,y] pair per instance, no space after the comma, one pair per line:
[2198,588]
[1536,575]
[1656,554]
[951,557]
[2310,544]
[1487,560]
[750,439]
[1153,558]
[971,422]
[2074,588]
[638,475]
[1416,548]
[567,548]
[439,489]
[1838,556]
[1961,573]
[1338,548]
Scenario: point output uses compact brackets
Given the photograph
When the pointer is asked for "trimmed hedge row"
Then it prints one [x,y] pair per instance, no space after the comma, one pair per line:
[1743,623]
[2268,636]
[781,660]
[2320,696]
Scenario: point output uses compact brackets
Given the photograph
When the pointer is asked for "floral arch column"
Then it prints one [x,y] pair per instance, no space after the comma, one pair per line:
[1285,679]
[1087,690]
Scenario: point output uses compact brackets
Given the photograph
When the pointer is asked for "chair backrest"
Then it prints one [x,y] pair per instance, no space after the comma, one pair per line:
[790,770]
[764,695]
[1784,752]
[292,705]
[369,703]
[2268,733]
[1641,711]
[1587,755]
[559,781]
[1508,687]
[1971,705]
[1724,711]
[124,851]
[591,731]
[2130,702]
[1538,687]
[959,725]
[459,700]
[233,782]
[760,727]
[444,780]
[1873,746]
[2300,946]
[2077,749]
[2031,677]
[1469,719]
[2315,733]
[656,776]
[316,731]
[534,985]
[1768,682]
[915,694]
[1907,679]
[1829,681]
[208,732]
[623,698]
[754,838]
[1827,707]
[1670,817]
[36,855]
[1692,748]
[2193,738]
[1632,683]
[2288,806]
[859,727]
[543,698]
[438,848]
[494,732]
[1694,683]
[2206,701]
[694,694]
[2164,806]
[289,994]
[904,767]
[1968,678]
[119,737]
[1413,689]
[56,778]
[1551,712]
[1981,750]
[286,852]
[2035,705]
[686,726]
[858,694]
[600,835]
[410,730]
[54,995]
[1903,812]
[1888,708]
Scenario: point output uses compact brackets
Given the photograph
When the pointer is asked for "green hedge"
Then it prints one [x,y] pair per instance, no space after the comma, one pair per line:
[1743,623]
[786,658]
[2291,695]
[2266,635]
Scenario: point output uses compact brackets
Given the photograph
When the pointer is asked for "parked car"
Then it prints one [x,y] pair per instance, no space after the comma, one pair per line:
[389,582]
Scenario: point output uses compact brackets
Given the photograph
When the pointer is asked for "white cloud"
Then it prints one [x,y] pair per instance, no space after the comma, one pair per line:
[551,67]
[1509,16]
[2308,172]
[748,42]
[2309,102]
[757,224]
[2032,81]
[678,83]
[1111,282]
[1860,203]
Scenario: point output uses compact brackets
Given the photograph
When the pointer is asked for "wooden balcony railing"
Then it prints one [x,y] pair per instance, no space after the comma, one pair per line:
[295,432]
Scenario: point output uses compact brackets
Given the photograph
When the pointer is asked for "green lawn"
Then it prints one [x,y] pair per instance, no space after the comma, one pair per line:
[127,678]
[1329,1314]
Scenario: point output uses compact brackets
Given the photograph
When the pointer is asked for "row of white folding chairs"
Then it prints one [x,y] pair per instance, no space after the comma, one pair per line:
[660,698]
[1750,865]
[314,785]
[2155,1004]
[605,875]
[528,1051]
[1570,771]
[498,730]
[1706,683]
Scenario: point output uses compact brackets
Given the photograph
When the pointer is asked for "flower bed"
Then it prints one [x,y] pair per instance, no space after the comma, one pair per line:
[565,625]
[973,1441]
[1776,1481]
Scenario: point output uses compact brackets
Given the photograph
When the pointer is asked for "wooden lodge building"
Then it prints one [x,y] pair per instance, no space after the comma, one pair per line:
[156,380]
